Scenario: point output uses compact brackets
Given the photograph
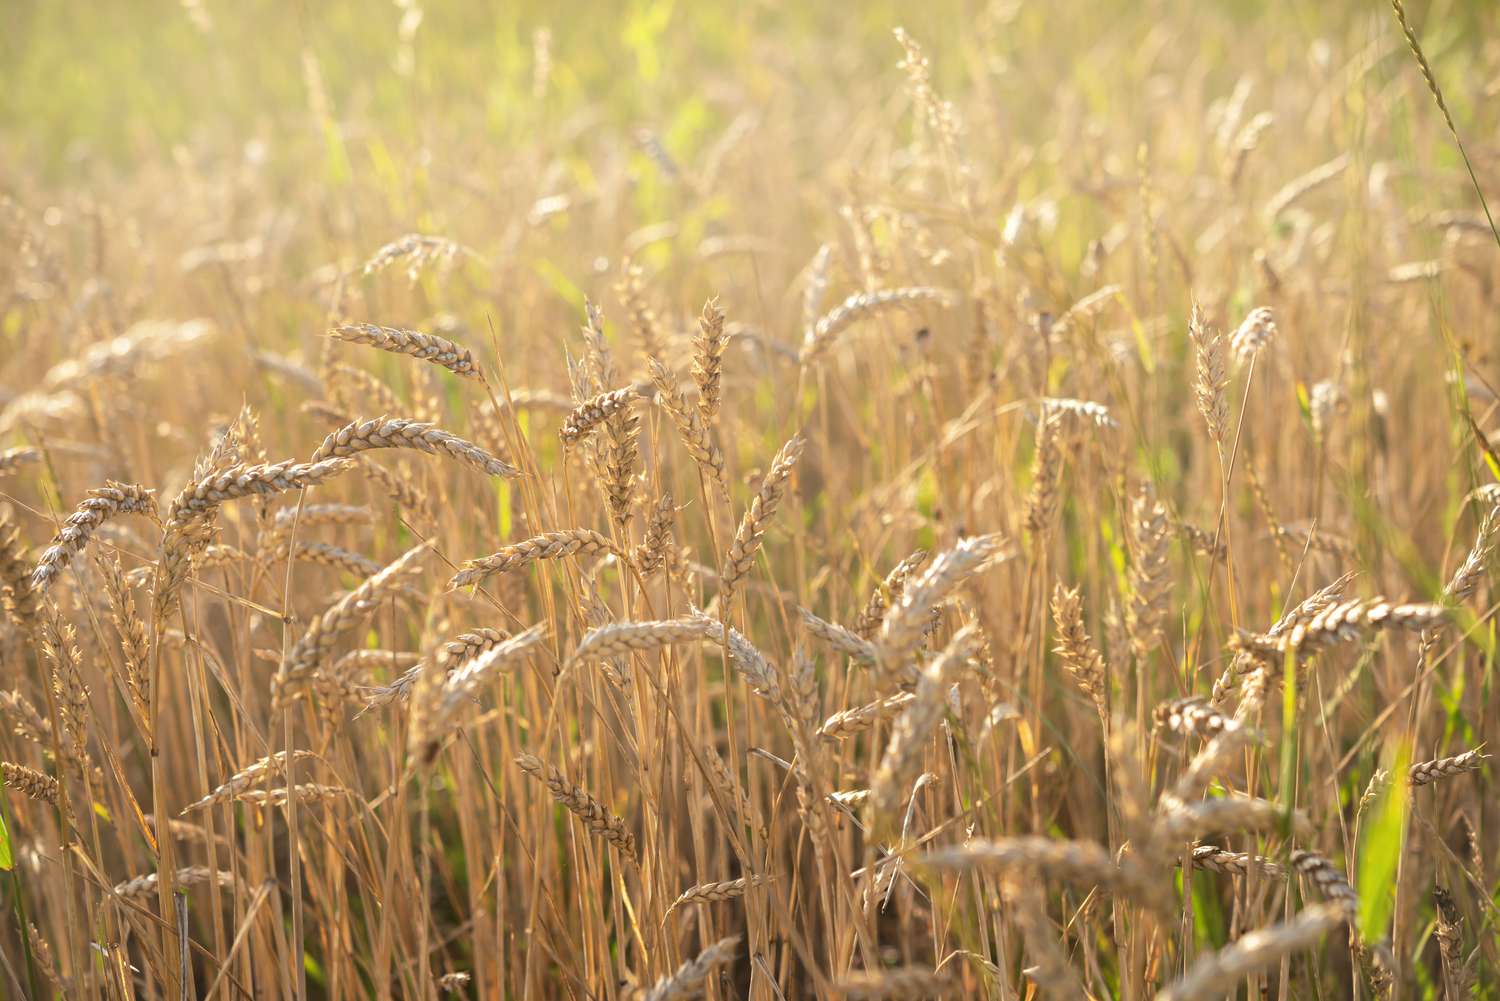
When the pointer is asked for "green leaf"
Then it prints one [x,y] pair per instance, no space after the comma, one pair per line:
[7,861]
[1380,850]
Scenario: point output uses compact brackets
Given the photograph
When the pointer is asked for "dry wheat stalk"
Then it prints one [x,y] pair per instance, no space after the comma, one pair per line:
[547,546]
[594,412]
[29,782]
[101,504]
[585,807]
[1423,772]
[758,518]
[428,347]
[398,432]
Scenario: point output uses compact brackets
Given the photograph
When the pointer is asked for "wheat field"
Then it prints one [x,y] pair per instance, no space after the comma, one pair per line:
[653,501]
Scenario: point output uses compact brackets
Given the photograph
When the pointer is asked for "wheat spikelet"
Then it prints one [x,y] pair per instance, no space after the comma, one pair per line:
[252,774]
[656,542]
[1080,658]
[862,305]
[689,422]
[1150,573]
[427,347]
[1214,974]
[1192,716]
[619,639]
[1243,662]
[889,590]
[1050,969]
[12,459]
[317,643]
[29,782]
[708,360]
[1042,499]
[195,875]
[417,250]
[1082,863]
[1096,414]
[1211,378]
[585,807]
[476,670]
[594,412]
[631,289]
[906,624]
[689,978]
[1342,623]
[25,721]
[758,518]
[845,724]
[16,595]
[1216,859]
[717,892]
[304,551]
[1332,884]
[899,983]
[914,727]
[1457,975]
[306,792]
[398,432]
[101,504]
[1424,772]
[1256,331]
[547,546]
[1186,821]
[250,480]
[843,640]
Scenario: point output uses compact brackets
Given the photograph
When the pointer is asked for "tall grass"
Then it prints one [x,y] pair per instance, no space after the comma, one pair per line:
[663,501]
